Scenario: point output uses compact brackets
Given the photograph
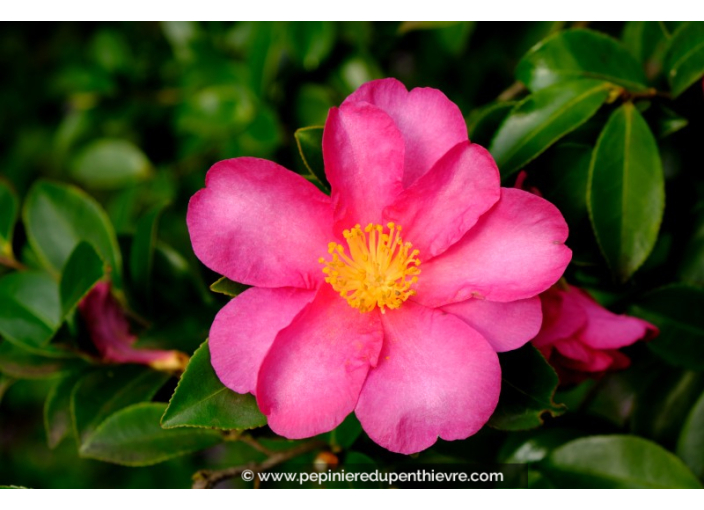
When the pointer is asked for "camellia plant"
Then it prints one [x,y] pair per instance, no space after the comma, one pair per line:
[419,246]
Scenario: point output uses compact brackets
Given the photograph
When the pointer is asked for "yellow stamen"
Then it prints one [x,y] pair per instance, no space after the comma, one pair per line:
[379,270]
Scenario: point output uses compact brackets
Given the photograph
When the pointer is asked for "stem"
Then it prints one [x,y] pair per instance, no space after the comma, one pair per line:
[207,479]
[12,263]
[510,93]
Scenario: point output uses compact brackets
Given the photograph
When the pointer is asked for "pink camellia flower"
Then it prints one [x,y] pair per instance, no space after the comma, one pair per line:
[389,298]
[109,330]
[580,338]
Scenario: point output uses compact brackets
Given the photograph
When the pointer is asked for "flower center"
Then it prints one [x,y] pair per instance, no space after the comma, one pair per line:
[378,271]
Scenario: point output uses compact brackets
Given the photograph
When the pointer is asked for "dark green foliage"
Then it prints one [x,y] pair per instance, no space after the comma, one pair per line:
[99,158]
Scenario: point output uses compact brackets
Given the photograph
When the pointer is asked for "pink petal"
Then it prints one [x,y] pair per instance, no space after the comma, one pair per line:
[260,224]
[515,251]
[363,153]
[311,378]
[245,328]
[578,356]
[442,205]
[562,317]
[431,124]
[506,326]
[436,377]
[606,330]
[111,335]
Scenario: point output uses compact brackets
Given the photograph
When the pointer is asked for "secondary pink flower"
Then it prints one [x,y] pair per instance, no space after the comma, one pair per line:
[109,330]
[580,338]
[389,298]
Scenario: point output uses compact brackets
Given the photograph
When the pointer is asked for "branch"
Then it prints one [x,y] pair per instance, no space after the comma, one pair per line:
[12,263]
[207,479]
[512,92]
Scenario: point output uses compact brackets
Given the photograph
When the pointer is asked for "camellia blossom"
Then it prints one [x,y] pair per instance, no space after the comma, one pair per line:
[109,330]
[580,338]
[391,297]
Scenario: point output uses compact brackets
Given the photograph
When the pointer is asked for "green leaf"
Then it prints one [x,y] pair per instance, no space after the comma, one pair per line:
[22,364]
[310,147]
[626,191]
[669,122]
[8,215]
[542,118]
[110,164]
[647,42]
[142,251]
[101,393]
[565,181]
[133,437]
[690,446]
[662,404]
[677,311]
[528,385]
[57,217]
[685,58]
[691,268]
[30,310]
[226,286]
[311,41]
[345,434]
[616,462]
[483,122]
[519,449]
[83,270]
[57,409]
[580,54]
[201,400]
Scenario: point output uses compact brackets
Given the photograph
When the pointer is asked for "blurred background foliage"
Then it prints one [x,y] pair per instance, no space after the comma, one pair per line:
[134,114]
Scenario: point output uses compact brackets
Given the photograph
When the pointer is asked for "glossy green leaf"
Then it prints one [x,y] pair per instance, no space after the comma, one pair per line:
[690,446]
[142,251]
[310,147]
[110,164]
[483,122]
[520,448]
[22,364]
[133,437]
[626,191]
[101,393]
[663,403]
[542,118]
[677,311]
[311,41]
[669,122]
[580,54]
[57,217]
[528,386]
[617,462]
[345,434]
[647,42]
[691,268]
[685,58]
[564,181]
[201,400]
[83,270]
[30,310]
[226,286]
[57,409]
[8,215]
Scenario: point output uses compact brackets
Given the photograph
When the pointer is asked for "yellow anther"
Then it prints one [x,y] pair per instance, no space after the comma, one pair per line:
[378,270]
